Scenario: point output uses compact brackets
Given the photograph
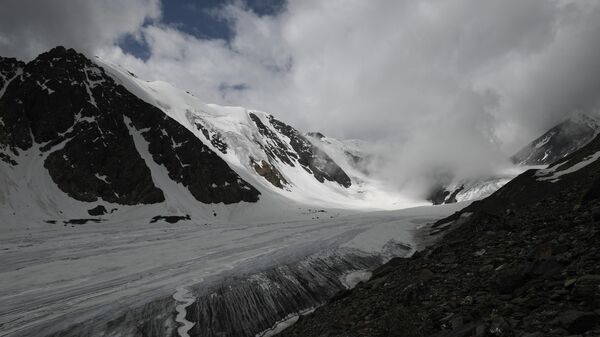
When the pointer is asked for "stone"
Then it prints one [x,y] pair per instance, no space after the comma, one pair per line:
[97,211]
[511,277]
[541,252]
[533,334]
[587,287]
[425,275]
[500,327]
[469,330]
[578,321]
[568,283]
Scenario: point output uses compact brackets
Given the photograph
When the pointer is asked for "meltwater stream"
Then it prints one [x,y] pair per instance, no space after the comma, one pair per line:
[185,299]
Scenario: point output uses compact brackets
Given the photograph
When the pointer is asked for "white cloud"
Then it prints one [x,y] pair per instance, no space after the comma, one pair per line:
[450,83]
[29,27]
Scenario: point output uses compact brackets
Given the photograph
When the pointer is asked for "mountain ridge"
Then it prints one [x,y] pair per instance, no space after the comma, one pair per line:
[81,134]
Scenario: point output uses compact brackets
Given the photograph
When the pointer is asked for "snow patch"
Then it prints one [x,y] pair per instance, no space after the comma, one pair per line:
[350,280]
[553,173]
[45,87]
[285,323]
[18,73]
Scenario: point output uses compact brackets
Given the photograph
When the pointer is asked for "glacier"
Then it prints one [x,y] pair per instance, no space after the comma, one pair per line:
[131,278]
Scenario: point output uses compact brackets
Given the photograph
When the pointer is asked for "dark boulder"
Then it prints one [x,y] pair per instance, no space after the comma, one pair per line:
[97,211]
[578,321]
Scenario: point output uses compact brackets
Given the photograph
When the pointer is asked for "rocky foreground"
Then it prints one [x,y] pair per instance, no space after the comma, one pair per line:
[523,262]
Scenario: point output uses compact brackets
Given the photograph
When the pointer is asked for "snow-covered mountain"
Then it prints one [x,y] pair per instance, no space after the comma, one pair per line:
[555,144]
[85,138]
[560,141]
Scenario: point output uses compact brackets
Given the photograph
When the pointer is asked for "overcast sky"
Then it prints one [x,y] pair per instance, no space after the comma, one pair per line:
[455,78]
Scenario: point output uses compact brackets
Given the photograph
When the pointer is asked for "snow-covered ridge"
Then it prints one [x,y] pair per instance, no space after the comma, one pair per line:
[267,153]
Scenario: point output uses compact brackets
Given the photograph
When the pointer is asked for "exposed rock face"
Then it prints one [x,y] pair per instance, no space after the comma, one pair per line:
[67,108]
[276,148]
[300,150]
[441,196]
[523,262]
[214,139]
[312,159]
[270,173]
[97,211]
[558,142]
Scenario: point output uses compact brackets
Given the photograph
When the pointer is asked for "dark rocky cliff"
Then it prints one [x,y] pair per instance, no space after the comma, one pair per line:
[64,107]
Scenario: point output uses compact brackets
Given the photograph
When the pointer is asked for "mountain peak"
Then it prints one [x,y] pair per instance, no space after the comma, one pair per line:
[60,51]
[317,135]
[61,58]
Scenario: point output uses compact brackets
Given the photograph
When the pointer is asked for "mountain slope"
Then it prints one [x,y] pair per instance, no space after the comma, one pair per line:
[561,140]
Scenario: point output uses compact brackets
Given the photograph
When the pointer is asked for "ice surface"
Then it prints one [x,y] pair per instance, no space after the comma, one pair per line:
[53,277]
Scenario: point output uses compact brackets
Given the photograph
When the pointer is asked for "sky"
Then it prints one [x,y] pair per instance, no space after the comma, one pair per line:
[459,82]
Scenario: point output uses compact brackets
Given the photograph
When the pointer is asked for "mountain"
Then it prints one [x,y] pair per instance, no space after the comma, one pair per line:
[521,262]
[468,189]
[68,127]
[558,142]
[271,155]
[83,138]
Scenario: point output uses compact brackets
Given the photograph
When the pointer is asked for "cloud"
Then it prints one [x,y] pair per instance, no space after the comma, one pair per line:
[365,70]
[459,84]
[29,27]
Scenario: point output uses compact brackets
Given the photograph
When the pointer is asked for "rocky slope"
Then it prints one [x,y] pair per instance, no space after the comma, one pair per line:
[522,262]
[560,141]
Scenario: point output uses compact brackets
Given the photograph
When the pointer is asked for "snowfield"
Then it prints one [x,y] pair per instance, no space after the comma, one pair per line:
[56,276]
